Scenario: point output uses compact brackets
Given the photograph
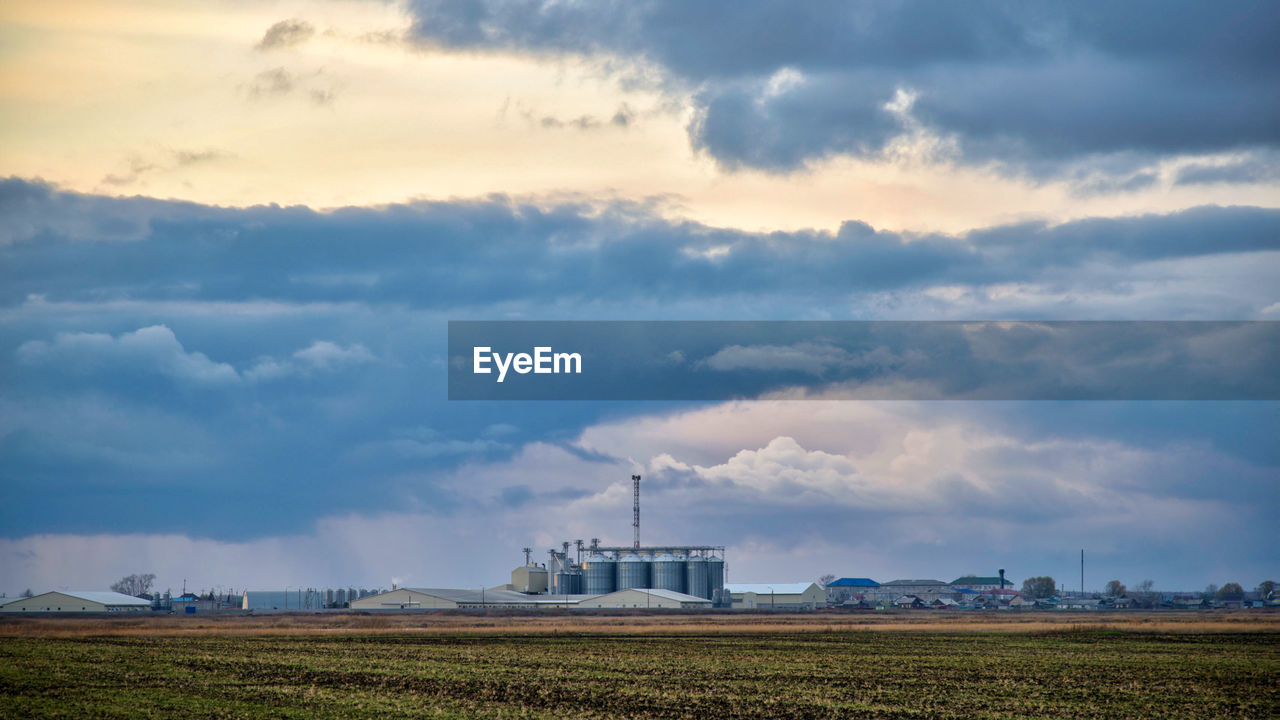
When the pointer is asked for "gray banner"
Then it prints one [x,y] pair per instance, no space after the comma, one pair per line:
[704,360]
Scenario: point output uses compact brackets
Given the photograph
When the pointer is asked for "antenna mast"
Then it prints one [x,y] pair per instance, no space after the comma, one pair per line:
[635,518]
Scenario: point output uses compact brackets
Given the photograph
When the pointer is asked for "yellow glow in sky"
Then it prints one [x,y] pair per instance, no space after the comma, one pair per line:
[174,99]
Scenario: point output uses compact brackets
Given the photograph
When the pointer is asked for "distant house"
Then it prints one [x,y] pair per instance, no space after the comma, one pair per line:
[1021,603]
[908,601]
[77,601]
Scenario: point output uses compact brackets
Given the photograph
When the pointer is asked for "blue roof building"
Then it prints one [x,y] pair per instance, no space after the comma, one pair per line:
[854,583]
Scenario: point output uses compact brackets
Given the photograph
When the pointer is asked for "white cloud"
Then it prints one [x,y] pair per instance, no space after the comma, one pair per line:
[153,349]
[321,355]
[794,489]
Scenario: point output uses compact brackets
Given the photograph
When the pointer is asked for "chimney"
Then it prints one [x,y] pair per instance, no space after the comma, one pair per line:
[1001,578]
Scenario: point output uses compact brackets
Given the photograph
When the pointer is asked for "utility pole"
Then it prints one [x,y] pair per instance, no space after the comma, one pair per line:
[1081,572]
[635,513]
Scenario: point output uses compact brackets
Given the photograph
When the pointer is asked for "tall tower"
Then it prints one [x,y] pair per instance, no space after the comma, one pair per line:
[635,513]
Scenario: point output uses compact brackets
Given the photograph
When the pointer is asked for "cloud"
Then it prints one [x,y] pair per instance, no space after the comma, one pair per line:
[349,306]
[276,81]
[156,350]
[286,33]
[1250,168]
[321,355]
[137,166]
[336,551]
[186,158]
[1030,87]
[794,490]
[468,252]
[813,358]
[151,349]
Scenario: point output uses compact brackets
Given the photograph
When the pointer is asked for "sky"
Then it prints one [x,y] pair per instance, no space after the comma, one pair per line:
[234,234]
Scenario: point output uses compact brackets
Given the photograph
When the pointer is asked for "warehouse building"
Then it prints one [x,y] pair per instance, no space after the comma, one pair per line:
[648,598]
[503,599]
[777,596]
[77,601]
[498,598]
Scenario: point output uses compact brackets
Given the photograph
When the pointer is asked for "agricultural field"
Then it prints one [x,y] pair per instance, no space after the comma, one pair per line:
[665,667]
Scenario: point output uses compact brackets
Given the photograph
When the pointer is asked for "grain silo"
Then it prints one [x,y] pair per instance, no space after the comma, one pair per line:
[668,573]
[715,575]
[696,578]
[568,582]
[599,574]
[633,572]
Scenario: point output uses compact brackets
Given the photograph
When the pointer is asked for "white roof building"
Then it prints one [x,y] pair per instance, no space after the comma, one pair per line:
[77,601]
[501,598]
[652,598]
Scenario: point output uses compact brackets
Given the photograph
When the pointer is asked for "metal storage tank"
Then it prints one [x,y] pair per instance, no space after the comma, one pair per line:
[715,575]
[668,573]
[568,582]
[599,574]
[695,577]
[633,572]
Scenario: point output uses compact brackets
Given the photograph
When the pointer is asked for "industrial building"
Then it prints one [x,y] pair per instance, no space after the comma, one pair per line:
[693,570]
[777,596]
[696,570]
[77,601]
[982,584]
[503,599]
[926,590]
[590,576]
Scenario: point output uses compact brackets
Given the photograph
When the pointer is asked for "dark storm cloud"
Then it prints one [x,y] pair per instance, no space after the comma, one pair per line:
[465,253]
[1032,86]
[241,372]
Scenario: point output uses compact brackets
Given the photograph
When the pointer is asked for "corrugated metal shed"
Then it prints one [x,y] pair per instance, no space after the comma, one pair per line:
[106,598]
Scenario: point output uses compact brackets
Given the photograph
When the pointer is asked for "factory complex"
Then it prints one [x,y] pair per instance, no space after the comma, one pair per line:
[594,576]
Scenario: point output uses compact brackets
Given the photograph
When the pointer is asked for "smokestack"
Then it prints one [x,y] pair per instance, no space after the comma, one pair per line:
[635,514]
[1001,578]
